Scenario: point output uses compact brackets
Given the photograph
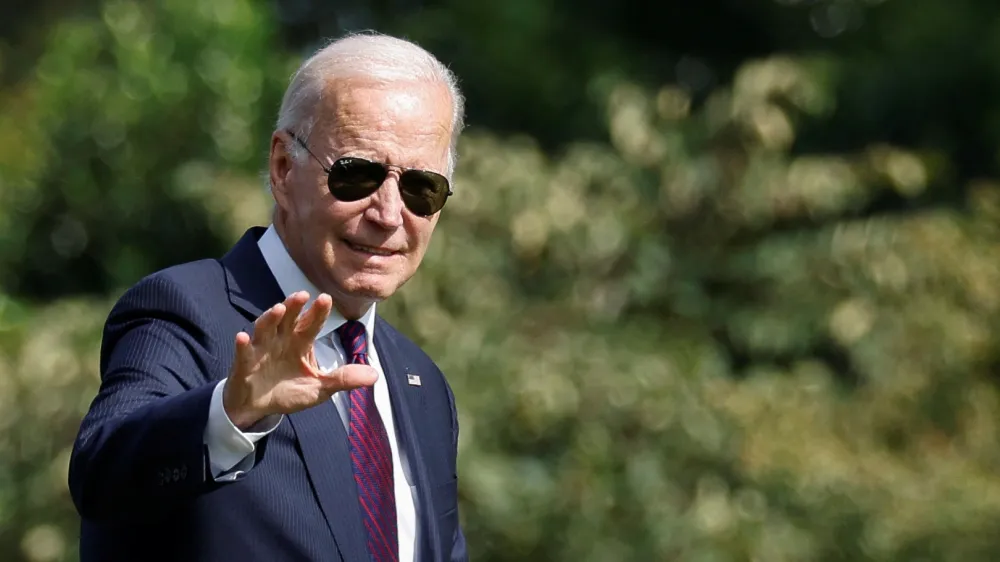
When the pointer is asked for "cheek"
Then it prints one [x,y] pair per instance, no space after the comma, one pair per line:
[420,235]
[308,197]
[317,216]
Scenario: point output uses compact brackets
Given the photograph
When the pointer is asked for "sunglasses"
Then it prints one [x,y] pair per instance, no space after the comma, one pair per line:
[352,179]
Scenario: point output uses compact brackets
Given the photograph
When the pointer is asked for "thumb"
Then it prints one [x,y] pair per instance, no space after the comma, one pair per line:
[351,376]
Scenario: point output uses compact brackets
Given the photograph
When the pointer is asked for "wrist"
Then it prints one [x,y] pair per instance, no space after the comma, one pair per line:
[243,420]
[238,413]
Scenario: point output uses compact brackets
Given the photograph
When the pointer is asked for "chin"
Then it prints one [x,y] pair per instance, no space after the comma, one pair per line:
[369,286]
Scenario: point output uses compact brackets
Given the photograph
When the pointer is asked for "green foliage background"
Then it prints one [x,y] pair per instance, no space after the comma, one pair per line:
[718,284]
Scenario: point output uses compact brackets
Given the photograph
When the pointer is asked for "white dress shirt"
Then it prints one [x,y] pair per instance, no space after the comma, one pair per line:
[231,451]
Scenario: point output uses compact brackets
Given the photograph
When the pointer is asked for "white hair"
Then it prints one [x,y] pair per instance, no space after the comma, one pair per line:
[371,55]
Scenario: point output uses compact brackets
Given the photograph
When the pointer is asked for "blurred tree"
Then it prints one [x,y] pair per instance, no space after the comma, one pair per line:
[684,378]
[535,67]
[754,319]
[125,118]
[23,31]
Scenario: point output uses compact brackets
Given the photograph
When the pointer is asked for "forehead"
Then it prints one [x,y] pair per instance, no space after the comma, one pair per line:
[403,123]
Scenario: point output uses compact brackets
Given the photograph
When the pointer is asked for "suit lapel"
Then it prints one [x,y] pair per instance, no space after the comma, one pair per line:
[319,430]
[406,400]
[251,286]
[324,444]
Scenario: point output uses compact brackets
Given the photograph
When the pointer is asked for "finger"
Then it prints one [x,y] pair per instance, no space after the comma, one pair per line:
[244,360]
[350,377]
[310,359]
[312,321]
[293,304]
[265,327]
[308,366]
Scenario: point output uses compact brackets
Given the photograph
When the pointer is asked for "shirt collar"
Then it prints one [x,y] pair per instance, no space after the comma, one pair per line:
[291,280]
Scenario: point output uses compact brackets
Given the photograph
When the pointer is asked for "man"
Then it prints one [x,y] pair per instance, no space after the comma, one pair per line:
[256,407]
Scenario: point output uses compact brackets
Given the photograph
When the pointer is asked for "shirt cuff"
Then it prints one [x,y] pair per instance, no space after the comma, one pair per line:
[230,451]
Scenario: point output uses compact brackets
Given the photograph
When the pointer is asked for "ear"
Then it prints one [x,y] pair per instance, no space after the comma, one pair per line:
[280,164]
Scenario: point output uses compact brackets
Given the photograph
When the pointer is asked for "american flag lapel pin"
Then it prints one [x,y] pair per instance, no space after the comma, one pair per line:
[414,380]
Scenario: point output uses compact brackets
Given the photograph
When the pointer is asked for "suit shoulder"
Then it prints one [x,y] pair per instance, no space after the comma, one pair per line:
[180,286]
[407,346]
[193,274]
[410,350]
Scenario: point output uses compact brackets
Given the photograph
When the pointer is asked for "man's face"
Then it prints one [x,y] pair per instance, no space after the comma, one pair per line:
[361,251]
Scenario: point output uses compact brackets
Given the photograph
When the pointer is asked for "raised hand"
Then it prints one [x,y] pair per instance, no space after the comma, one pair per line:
[275,371]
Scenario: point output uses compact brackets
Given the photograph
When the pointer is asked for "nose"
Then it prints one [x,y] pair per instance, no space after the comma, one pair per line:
[386,204]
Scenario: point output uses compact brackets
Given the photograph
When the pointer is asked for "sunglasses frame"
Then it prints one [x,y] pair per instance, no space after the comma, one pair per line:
[388,167]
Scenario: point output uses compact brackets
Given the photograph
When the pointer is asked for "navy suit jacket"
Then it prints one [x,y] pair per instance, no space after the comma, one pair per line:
[139,471]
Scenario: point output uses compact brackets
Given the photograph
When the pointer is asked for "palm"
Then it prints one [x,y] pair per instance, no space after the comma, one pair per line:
[276,370]
[293,379]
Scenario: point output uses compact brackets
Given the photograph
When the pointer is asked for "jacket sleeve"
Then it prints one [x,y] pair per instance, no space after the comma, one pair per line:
[140,446]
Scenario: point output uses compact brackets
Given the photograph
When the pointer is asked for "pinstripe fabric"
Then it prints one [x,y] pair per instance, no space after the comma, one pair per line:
[371,456]
[138,473]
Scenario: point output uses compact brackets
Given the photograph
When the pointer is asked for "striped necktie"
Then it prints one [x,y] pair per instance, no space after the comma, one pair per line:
[371,455]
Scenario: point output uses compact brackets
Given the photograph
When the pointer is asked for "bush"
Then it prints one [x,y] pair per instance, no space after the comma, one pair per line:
[694,343]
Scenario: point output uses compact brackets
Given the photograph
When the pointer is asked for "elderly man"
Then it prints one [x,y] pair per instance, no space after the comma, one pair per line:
[256,407]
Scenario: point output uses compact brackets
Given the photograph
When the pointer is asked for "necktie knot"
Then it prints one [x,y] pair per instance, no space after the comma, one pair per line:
[354,338]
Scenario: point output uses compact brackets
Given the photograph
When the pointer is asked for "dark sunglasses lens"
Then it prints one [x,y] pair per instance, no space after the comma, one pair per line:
[352,179]
[424,193]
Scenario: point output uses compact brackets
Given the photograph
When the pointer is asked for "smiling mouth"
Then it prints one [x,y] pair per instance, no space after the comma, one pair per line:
[369,249]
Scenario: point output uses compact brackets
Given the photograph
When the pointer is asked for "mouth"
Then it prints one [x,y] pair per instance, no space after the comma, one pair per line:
[370,250]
